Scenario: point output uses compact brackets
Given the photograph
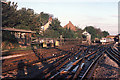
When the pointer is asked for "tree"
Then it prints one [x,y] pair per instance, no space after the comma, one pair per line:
[96,32]
[68,33]
[44,18]
[105,33]
[92,31]
[49,33]
[6,36]
[9,14]
[25,18]
[79,33]
[55,25]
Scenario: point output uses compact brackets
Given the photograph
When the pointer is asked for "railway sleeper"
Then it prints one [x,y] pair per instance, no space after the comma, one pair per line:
[61,65]
[78,70]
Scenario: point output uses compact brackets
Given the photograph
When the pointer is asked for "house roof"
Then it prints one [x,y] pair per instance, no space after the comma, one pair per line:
[71,26]
[17,30]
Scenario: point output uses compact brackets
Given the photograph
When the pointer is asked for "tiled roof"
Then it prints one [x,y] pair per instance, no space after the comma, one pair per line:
[71,26]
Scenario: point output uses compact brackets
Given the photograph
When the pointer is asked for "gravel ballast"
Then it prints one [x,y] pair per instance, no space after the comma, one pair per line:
[107,68]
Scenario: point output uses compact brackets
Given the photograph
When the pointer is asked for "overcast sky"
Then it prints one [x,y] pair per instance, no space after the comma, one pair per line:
[102,14]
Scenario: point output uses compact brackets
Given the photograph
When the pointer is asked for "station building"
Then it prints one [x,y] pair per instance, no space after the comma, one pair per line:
[23,36]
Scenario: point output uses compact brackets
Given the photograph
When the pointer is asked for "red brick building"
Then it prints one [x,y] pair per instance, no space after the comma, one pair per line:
[70,26]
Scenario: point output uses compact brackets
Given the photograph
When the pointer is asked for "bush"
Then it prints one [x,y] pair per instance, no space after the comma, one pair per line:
[7,36]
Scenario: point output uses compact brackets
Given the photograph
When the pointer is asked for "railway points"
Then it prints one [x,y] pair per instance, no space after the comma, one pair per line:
[76,62]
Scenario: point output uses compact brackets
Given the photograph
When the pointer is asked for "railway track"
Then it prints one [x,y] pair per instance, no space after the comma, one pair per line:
[89,72]
[15,60]
[73,68]
[114,54]
[78,63]
[110,51]
[56,66]
[54,60]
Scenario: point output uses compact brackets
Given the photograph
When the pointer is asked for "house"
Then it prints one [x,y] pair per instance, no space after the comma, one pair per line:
[88,36]
[70,26]
[46,26]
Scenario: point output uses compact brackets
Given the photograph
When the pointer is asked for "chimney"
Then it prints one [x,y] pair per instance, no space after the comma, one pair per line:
[50,19]
[69,21]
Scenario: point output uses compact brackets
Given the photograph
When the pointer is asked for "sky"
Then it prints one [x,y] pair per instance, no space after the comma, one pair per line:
[101,14]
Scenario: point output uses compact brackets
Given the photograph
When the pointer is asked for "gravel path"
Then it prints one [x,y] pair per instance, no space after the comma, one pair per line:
[107,68]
